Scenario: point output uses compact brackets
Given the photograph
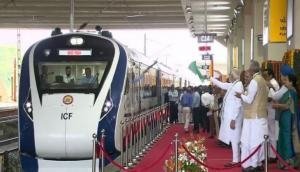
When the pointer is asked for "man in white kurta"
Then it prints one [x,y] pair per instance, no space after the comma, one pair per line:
[231,116]
[255,123]
[272,123]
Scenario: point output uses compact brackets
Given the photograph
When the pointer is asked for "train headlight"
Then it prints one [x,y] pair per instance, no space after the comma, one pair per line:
[107,106]
[28,105]
[76,41]
[105,109]
[108,103]
[29,110]
[47,52]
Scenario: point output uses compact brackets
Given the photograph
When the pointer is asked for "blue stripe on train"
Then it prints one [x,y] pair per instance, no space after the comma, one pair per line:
[29,163]
[109,121]
[27,145]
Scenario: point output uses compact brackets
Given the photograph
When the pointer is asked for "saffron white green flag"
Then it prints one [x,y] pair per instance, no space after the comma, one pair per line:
[194,68]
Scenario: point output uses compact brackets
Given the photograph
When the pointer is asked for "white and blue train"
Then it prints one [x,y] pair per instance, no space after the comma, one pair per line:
[73,85]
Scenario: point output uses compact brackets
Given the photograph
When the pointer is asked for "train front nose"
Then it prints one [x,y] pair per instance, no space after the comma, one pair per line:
[65,125]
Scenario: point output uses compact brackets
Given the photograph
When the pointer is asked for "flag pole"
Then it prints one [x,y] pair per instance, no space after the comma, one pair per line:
[211,71]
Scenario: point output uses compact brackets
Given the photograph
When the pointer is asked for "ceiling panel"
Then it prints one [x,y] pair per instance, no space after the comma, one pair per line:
[117,14]
[214,16]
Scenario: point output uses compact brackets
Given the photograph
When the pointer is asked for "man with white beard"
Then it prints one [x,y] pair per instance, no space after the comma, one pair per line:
[268,75]
[255,123]
[231,115]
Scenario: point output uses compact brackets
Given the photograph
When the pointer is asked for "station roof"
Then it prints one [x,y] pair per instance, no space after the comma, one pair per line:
[110,14]
[211,16]
[121,14]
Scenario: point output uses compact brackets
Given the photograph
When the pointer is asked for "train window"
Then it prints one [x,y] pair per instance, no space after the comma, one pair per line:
[126,86]
[148,83]
[71,75]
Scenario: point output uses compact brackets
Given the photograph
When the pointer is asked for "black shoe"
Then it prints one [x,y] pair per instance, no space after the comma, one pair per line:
[219,143]
[272,160]
[249,169]
[260,168]
[225,146]
[230,164]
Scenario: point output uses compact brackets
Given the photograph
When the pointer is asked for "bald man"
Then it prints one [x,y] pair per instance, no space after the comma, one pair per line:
[231,114]
[255,123]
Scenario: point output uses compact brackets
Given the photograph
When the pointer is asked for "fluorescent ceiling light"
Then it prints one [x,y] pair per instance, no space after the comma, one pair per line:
[218,8]
[217,25]
[188,9]
[218,19]
[218,3]
[242,2]
[216,28]
[201,17]
[217,16]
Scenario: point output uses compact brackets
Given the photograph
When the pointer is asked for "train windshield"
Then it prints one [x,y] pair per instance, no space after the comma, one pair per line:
[71,75]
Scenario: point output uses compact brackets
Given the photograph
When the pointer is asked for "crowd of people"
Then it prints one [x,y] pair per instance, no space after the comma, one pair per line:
[252,104]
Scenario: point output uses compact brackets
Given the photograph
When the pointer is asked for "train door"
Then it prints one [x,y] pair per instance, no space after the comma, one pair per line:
[158,87]
[137,87]
[138,77]
[130,95]
[132,101]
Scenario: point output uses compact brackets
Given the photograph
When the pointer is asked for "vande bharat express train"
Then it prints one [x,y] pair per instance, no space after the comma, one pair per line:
[74,85]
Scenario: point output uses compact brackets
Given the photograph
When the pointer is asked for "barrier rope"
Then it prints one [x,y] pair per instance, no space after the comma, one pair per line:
[110,159]
[158,159]
[223,168]
[290,168]
[132,170]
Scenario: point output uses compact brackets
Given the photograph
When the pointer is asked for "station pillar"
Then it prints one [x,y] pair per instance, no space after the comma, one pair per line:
[253,29]
[234,44]
[294,42]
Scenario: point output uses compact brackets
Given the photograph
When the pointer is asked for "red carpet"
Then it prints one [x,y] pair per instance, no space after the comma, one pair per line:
[154,160]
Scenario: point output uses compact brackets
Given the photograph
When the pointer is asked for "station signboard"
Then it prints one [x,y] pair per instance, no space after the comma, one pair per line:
[206,37]
[277,20]
[205,67]
[204,48]
[207,57]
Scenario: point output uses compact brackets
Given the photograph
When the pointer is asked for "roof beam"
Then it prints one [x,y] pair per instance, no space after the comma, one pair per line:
[99,19]
[92,9]
[91,25]
[107,13]
[92,4]
[86,14]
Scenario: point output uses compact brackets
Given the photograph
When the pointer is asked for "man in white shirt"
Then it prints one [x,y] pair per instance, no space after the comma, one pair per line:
[196,110]
[173,99]
[255,123]
[88,79]
[179,114]
[68,77]
[231,114]
[273,125]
